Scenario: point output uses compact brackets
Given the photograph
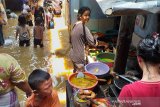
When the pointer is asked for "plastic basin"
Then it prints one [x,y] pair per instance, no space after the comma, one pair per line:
[99,69]
[89,86]
[107,58]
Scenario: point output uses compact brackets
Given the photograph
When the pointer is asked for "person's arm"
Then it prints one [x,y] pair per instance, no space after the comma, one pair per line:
[92,39]
[17,76]
[17,32]
[89,37]
[29,32]
[24,86]
[43,14]
[42,32]
[3,13]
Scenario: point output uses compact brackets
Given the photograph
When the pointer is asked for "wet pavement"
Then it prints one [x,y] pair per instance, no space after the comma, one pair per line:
[53,57]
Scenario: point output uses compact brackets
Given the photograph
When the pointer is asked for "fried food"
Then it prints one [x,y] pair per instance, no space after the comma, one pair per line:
[86,94]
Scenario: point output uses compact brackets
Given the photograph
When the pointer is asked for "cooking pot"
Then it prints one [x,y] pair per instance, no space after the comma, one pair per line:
[123,80]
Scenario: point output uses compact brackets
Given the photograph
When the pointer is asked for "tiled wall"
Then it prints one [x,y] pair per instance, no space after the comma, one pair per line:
[101,25]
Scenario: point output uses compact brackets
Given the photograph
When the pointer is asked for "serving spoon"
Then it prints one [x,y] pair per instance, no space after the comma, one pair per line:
[81,75]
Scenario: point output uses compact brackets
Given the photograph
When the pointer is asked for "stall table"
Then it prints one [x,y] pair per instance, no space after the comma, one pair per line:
[101,91]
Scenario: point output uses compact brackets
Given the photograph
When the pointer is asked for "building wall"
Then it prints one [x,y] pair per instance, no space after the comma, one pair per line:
[74,6]
[98,21]
[101,25]
[96,12]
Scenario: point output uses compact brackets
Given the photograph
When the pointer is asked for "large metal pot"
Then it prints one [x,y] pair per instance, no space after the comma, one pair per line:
[123,80]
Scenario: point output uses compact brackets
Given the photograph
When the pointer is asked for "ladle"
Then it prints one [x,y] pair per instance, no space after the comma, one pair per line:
[81,75]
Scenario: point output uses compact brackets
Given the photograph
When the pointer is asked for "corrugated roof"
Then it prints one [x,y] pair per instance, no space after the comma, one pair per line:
[110,6]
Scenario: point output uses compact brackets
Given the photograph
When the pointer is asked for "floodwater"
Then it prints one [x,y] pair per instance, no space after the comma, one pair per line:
[53,57]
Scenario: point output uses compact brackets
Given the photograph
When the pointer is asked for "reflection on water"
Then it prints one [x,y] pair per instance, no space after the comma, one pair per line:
[58,64]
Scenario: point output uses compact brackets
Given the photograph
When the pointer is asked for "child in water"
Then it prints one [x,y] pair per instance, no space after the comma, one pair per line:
[38,31]
[22,30]
[43,93]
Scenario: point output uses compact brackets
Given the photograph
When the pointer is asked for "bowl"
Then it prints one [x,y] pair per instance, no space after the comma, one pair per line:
[98,69]
[86,83]
[107,58]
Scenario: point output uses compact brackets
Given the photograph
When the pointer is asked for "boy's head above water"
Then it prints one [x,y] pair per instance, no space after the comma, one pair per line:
[40,81]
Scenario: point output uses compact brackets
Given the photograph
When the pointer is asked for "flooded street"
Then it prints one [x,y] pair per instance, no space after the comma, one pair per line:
[52,57]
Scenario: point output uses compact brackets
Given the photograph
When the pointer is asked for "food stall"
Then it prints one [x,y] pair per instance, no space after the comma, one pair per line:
[99,89]
[107,87]
[110,90]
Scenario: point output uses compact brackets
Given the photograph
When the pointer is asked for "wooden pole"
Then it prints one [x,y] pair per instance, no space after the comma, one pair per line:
[123,43]
[69,15]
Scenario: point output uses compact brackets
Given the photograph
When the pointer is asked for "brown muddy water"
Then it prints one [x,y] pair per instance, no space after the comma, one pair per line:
[53,57]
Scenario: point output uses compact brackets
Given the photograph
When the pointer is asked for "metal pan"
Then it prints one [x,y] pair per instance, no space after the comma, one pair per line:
[124,80]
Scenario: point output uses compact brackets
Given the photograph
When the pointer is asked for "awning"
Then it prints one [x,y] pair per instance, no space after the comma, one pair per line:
[128,7]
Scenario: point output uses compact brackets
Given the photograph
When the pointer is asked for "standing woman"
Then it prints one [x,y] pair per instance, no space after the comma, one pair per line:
[80,36]
[38,11]
[146,92]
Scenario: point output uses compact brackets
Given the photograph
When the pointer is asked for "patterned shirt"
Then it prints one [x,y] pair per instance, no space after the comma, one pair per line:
[10,73]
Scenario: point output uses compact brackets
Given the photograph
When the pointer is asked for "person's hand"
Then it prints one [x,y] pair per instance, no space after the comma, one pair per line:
[113,74]
[95,36]
[130,73]
[28,94]
[101,43]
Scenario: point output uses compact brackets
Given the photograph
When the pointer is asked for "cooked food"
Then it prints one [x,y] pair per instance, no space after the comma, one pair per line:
[101,102]
[85,82]
[93,95]
[86,94]
[96,70]
[106,60]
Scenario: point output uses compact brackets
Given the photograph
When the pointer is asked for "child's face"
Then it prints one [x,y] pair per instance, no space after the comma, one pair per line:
[85,16]
[45,88]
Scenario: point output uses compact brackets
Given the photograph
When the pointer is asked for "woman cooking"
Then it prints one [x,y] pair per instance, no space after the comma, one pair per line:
[80,36]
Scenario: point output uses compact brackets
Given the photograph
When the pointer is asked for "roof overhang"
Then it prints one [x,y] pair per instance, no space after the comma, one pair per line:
[129,7]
